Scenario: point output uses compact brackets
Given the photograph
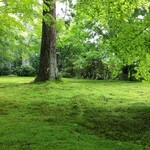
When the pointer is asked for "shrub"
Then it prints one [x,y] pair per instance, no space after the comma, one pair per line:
[34,61]
[25,70]
[5,69]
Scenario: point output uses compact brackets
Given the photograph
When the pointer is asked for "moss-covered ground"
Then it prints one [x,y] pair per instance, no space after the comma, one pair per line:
[74,114]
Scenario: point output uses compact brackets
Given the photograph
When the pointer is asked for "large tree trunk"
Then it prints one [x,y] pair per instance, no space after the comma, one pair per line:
[53,57]
[48,63]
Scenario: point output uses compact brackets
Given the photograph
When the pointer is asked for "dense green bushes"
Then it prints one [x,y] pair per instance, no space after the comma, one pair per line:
[25,70]
[16,66]
[5,66]
[90,66]
[5,70]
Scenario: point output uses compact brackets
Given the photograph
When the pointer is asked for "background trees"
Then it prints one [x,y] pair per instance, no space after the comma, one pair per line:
[98,40]
[19,33]
[124,29]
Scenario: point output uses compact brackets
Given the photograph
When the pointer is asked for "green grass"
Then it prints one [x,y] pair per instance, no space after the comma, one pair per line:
[74,114]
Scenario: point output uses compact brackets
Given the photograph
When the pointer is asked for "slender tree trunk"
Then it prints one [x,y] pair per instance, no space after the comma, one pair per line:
[125,73]
[48,62]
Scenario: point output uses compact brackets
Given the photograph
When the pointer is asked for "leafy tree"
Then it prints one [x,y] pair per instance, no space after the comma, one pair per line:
[127,34]
[80,44]
[19,31]
[114,34]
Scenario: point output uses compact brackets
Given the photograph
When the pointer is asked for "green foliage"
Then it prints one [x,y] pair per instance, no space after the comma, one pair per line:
[5,66]
[19,30]
[92,67]
[5,69]
[125,27]
[34,61]
[143,70]
[25,70]
[116,32]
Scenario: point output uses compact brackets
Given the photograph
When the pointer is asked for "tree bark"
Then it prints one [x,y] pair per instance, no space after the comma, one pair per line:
[53,57]
[48,62]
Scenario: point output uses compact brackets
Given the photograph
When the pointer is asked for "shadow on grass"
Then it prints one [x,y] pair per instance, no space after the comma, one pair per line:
[123,124]
[120,123]
[76,80]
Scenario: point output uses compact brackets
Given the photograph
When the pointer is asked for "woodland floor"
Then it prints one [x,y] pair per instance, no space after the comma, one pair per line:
[74,114]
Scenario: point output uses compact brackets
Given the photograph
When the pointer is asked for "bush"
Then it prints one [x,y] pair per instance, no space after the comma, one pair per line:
[34,61]
[96,69]
[25,70]
[5,69]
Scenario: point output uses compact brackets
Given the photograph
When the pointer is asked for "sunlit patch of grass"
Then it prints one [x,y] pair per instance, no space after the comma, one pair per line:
[74,114]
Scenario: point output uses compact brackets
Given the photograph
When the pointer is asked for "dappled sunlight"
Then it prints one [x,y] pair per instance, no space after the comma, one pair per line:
[14,79]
